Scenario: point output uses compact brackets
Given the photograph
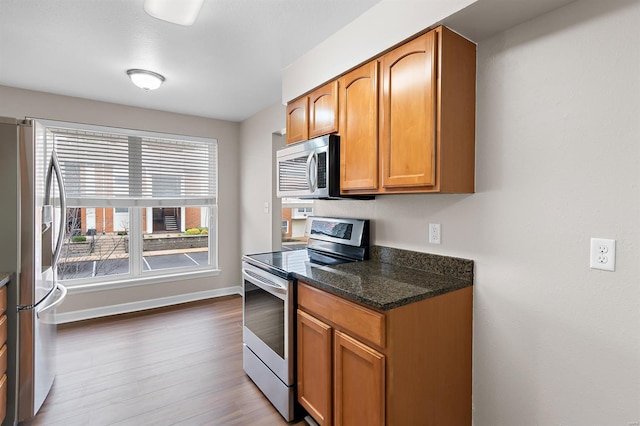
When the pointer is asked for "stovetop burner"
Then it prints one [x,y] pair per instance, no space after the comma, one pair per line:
[285,263]
[331,241]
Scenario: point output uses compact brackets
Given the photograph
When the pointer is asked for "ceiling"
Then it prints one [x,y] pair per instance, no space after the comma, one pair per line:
[228,65]
[485,18]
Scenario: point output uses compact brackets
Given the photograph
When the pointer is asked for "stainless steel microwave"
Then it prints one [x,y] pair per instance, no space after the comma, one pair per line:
[309,169]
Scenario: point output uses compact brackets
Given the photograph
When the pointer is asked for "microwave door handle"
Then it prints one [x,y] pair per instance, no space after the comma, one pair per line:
[312,162]
[315,171]
[308,174]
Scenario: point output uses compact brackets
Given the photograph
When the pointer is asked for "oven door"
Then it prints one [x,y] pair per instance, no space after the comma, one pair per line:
[267,321]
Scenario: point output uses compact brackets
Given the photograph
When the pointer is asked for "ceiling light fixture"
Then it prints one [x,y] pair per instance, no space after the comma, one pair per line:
[147,80]
[181,12]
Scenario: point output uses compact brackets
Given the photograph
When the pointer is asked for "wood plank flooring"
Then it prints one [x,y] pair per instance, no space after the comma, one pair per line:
[172,366]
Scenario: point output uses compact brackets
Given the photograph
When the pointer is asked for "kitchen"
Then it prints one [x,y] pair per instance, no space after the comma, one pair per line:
[554,342]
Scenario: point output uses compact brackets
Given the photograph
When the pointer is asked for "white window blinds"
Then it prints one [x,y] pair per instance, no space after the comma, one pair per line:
[119,170]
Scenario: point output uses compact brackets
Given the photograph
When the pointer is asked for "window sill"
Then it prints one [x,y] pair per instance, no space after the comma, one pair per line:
[125,282]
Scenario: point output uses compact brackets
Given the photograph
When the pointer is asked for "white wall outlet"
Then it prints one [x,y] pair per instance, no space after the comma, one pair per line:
[434,233]
[265,207]
[603,254]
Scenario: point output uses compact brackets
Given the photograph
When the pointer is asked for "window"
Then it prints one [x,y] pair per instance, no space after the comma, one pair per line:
[285,227]
[139,204]
[302,212]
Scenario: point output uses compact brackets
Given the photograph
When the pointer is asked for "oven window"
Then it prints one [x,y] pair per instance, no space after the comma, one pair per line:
[264,316]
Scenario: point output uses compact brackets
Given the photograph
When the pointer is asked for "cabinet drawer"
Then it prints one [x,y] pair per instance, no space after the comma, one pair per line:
[3,299]
[3,397]
[354,319]
[3,359]
[3,329]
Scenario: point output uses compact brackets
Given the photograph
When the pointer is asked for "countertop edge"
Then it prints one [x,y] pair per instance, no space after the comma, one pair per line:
[381,306]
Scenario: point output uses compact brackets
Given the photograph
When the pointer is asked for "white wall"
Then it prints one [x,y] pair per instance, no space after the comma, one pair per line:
[384,25]
[21,103]
[258,229]
[558,162]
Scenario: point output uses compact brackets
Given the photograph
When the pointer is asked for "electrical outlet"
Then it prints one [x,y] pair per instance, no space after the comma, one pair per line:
[603,254]
[434,233]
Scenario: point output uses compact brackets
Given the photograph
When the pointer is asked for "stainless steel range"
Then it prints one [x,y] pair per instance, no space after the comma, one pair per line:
[269,300]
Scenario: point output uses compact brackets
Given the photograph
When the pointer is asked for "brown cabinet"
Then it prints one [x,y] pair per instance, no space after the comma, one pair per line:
[323,110]
[359,128]
[3,353]
[313,115]
[358,372]
[314,367]
[424,136]
[335,369]
[408,114]
[297,122]
[408,365]
[3,397]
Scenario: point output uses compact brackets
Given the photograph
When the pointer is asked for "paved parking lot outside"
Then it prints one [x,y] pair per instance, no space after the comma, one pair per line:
[93,268]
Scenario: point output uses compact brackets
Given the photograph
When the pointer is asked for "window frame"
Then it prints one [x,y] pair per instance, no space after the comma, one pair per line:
[136,275]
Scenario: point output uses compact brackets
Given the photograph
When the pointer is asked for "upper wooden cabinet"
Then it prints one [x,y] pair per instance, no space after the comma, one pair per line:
[297,123]
[359,128]
[323,110]
[424,139]
[313,115]
[408,114]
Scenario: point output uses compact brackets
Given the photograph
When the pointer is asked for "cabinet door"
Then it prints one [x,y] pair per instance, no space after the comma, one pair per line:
[297,124]
[408,114]
[359,128]
[314,367]
[323,110]
[3,299]
[3,397]
[359,383]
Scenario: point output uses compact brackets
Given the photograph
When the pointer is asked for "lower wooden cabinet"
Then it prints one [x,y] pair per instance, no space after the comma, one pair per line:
[314,367]
[3,397]
[340,379]
[3,330]
[3,358]
[407,366]
[3,353]
[358,372]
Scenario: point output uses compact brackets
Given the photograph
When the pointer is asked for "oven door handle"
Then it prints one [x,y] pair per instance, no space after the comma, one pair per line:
[265,284]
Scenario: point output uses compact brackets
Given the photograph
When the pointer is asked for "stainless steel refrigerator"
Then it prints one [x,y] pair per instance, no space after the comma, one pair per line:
[32,228]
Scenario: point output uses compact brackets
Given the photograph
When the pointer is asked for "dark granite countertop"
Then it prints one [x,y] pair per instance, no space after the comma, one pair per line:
[4,278]
[392,277]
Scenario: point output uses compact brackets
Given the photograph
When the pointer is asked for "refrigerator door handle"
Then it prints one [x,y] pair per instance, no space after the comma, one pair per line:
[51,306]
[54,166]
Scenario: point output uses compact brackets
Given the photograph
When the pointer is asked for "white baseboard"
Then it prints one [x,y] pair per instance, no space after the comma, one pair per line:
[123,308]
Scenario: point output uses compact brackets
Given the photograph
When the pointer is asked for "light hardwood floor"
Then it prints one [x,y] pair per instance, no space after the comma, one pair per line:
[171,366]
